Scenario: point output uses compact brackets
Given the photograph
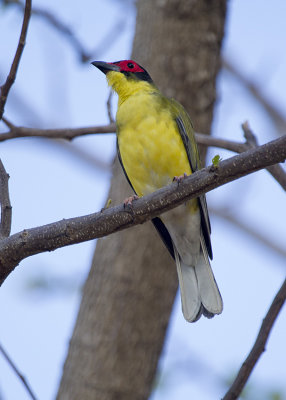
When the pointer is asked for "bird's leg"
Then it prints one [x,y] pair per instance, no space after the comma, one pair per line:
[129,200]
[179,178]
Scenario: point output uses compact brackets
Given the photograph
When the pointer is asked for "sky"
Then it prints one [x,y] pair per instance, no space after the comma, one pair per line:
[48,181]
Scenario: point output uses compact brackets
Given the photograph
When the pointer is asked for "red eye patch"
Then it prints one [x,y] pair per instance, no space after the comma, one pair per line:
[129,66]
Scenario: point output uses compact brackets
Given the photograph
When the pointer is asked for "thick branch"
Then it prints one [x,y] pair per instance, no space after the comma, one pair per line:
[6,209]
[76,230]
[258,347]
[13,71]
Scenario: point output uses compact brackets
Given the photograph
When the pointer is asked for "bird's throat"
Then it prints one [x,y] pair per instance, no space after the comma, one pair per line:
[126,86]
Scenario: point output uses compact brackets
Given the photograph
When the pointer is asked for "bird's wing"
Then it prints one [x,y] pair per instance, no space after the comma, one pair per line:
[186,131]
[160,227]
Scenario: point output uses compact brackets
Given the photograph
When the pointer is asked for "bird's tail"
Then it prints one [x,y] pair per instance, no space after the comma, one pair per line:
[199,291]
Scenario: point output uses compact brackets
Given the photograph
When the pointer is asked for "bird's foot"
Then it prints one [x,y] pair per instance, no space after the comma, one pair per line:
[129,200]
[179,178]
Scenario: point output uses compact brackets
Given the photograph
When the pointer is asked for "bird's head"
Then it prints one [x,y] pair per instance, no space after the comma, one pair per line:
[126,77]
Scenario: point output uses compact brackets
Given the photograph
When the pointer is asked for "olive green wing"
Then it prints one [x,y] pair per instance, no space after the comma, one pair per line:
[186,130]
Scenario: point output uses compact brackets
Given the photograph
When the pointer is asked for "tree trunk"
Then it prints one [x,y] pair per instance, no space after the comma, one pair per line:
[129,293]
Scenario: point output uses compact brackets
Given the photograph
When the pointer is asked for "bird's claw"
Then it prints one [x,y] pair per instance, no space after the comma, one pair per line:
[179,178]
[129,200]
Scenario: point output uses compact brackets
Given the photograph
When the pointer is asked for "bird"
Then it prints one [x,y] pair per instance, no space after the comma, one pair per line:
[156,144]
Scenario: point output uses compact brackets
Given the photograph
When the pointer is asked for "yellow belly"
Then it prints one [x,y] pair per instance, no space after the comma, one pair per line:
[150,145]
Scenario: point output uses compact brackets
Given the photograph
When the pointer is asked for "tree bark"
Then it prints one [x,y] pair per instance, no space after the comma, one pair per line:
[129,293]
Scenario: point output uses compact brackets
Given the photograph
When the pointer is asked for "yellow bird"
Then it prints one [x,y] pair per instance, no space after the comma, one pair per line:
[156,143]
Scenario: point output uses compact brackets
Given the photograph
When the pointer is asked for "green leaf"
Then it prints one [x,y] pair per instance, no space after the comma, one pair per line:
[216,160]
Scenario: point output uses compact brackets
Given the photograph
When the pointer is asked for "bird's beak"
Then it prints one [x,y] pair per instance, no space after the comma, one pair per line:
[106,67]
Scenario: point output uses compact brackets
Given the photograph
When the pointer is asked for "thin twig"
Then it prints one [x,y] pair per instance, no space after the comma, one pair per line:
[109,111]
[6,209]
[110,220]
[59,25]
[85,55]
[68,133]
[18,373]
[259,345]
[275,170]
[14,67]
[64,29]
[56,135]
[8,123]
[248,229]
[278,174]
[72,133]
[207,140]
[110,37]
[277,116]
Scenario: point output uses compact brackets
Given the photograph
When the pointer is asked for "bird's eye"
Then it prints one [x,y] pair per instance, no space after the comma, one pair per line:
[130,65]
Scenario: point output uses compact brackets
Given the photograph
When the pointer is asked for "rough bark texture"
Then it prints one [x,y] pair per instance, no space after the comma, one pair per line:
[128,296]
[15,248]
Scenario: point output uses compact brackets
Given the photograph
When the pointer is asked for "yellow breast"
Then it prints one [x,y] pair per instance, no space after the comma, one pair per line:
[150,145]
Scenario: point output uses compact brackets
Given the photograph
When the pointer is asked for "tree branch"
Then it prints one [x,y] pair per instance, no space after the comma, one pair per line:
[13,71]
[67,133]
[258,347]
[64,29]
[276,115]
[6,209]
[275,170]
[207,140]
[109,111]
[18,373]
[75,230]
[249,230]
[70,133]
